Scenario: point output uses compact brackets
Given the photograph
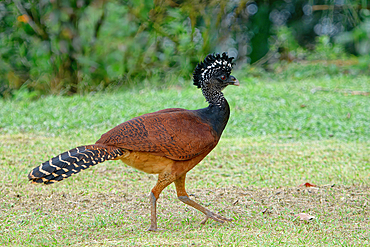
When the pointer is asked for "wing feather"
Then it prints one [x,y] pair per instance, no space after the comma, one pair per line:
[177,134]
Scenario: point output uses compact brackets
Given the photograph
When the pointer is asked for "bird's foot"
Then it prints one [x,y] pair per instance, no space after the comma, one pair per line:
[215,217]
[154,229]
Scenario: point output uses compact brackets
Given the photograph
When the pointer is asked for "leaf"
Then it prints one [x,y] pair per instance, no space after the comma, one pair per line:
[308,185]
[304,216]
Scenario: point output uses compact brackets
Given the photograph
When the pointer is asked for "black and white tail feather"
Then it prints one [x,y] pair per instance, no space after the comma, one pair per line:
[72,162]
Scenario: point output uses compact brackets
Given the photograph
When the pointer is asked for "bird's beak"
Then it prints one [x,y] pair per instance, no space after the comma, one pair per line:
[234,81]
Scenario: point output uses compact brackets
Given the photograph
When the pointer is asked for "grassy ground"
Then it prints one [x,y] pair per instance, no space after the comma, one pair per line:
[283,132]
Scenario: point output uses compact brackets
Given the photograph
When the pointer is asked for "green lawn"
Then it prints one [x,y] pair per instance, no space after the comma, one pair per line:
[284,131]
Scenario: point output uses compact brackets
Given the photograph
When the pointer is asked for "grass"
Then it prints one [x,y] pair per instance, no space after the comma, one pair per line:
[283,132]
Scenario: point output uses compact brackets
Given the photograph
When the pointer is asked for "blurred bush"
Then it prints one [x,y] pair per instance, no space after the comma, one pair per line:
[77,46]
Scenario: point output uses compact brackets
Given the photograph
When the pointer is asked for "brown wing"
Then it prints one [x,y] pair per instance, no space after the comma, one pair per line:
[174,133]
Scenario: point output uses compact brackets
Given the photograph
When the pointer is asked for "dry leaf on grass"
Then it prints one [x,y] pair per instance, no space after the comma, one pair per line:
[304,216]
[308,185]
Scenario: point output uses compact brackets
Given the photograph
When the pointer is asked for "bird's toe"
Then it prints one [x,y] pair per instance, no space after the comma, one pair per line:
[215,217]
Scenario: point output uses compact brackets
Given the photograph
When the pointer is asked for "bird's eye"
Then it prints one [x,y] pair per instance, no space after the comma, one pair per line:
[223,77]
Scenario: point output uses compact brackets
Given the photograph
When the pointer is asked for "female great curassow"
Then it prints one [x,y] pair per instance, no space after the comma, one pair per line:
[169,142]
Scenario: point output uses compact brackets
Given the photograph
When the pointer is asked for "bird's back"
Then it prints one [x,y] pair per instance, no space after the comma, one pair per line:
[175,133]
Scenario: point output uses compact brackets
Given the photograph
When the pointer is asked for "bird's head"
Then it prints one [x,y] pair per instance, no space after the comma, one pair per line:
[214,72]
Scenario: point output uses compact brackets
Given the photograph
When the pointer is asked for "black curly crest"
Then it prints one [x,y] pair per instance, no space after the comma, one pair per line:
[212,65]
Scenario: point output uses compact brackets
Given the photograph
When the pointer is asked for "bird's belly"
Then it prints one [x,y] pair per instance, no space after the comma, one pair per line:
[146,162]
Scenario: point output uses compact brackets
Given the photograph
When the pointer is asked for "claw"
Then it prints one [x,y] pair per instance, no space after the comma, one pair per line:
[152,229]
[205,220]
[215,217]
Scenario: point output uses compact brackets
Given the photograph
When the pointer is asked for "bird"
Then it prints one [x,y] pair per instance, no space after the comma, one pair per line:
[168,142]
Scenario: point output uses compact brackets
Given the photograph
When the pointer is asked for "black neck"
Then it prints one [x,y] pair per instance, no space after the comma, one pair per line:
[216,114]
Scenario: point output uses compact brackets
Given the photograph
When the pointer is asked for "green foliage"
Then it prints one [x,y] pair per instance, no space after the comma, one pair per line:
[66,47]
[326,50]
[358,39]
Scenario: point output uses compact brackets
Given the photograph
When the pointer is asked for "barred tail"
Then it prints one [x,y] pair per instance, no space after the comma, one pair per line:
[72,162]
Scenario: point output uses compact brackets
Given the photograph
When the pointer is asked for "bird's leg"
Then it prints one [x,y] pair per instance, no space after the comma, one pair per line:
[183,196]
[164,180]
[153,213]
